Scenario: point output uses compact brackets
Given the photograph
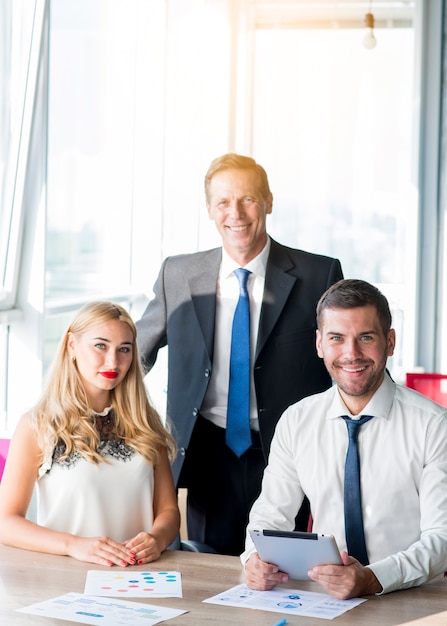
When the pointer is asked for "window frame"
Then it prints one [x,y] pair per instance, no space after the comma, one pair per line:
[13,210]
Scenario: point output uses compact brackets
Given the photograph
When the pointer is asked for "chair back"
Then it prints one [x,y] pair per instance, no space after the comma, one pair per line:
[433,386]
[4,445]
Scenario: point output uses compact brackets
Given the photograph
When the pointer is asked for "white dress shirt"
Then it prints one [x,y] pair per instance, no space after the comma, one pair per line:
[214,407]
[403,459]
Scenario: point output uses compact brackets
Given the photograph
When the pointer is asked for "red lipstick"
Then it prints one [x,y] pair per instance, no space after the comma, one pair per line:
[109,374]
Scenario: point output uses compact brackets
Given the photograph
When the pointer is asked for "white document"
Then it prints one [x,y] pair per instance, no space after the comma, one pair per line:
[288,601]
[76,607]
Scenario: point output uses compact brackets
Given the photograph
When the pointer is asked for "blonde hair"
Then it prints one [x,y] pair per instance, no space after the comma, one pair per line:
[63,414]
[233,161]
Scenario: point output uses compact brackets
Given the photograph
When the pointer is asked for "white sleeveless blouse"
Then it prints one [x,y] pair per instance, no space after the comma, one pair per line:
[113,499]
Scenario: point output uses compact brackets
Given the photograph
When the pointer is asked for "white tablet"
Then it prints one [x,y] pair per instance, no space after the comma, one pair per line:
[295,552]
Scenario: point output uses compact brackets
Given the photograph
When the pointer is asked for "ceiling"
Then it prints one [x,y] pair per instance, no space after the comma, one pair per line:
[333,13]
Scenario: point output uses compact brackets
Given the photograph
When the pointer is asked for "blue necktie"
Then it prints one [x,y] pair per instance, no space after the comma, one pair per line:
[355,536]
[238,436]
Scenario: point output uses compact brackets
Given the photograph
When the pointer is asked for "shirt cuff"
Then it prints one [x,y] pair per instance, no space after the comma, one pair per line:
[246,555]
[388,574]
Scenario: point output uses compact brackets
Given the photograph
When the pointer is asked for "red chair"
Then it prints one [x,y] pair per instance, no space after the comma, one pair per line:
[433,386]
[4,445]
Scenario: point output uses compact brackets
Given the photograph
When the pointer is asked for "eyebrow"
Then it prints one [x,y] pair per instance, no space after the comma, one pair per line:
[363,332]
[123,343]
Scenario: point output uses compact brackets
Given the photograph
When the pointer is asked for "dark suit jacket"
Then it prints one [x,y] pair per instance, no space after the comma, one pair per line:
[182,313]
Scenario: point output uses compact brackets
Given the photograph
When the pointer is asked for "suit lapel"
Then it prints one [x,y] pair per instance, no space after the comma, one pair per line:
[278,285]
[203,286]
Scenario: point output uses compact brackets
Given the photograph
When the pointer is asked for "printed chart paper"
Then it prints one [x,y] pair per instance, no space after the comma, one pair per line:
[76,607]
[288,601]
[133,584]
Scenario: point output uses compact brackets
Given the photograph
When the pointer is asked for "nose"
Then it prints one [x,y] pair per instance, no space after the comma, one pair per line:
[236,209]
[352,349]
[111,359]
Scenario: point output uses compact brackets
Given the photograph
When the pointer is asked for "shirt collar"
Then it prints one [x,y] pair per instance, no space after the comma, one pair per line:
[258,265]
[103,413]
[379,405]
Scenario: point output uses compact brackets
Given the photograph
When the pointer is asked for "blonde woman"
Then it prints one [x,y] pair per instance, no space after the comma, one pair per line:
[97,451]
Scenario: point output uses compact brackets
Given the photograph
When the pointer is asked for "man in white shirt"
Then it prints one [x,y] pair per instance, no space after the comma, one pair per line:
[402,450]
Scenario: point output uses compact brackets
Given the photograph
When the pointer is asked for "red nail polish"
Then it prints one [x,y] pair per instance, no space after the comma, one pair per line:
[140,562]
[132,561]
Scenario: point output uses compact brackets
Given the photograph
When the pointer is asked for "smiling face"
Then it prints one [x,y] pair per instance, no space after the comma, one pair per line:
[239,211]
[103,355]
[355,351]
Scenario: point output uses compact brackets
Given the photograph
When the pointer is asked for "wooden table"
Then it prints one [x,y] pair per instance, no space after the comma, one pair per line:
[29,577]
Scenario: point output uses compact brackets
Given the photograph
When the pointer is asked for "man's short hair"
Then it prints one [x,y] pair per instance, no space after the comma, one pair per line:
[233,161]
[350,293]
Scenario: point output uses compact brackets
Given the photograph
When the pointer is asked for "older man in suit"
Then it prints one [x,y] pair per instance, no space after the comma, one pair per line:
[195,298]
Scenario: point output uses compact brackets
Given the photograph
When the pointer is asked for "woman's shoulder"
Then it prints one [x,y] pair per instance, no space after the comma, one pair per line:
[24,442]
[26,426]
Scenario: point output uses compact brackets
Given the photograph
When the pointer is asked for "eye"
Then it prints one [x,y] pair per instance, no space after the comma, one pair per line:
[336,338]
[248,200]
[125,349]
[100,346]
[366,338]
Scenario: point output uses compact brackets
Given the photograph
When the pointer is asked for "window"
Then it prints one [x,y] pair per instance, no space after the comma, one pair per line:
[91,149]
[23,28]
[333,122]
[20,36]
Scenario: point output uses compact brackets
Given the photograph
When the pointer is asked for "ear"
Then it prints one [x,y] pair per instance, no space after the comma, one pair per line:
[269,204]
[71,343]
[391,341]
[318,344]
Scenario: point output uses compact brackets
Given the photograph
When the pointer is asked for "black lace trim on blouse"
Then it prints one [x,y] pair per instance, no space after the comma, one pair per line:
[109,446]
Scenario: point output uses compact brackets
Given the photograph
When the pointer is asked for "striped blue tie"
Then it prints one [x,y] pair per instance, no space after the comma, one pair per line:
[238,436]
[355,536]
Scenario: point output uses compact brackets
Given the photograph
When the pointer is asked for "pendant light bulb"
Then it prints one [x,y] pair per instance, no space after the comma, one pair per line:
[369,41]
